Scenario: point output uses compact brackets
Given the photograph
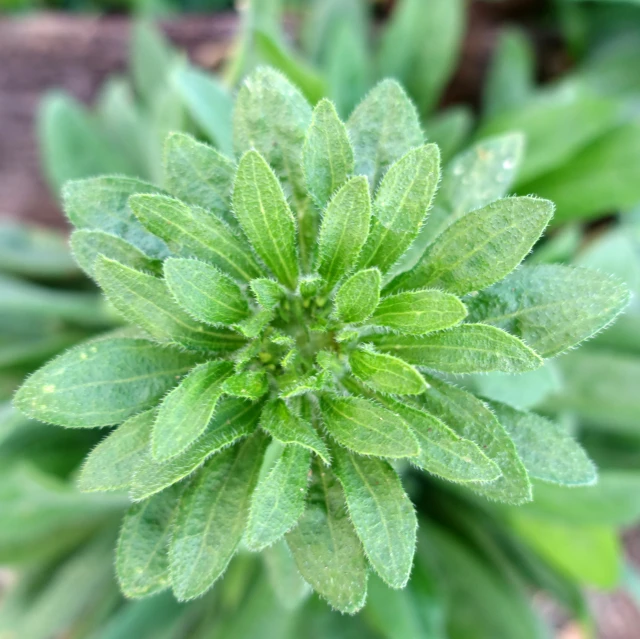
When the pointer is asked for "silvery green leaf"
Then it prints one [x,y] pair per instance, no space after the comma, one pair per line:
[382,128]
[204,292]
[344,230]
[381,513]
[264,215]
[450,128]
[102,383]
[249,384]
[268,293]
[279,498]
[358,296]
[207,531]
[385,373]
[193,232]
[551,307]
[185,412]
[327,154]
[468,348]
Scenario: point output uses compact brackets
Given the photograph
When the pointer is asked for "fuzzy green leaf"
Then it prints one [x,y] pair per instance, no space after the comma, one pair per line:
[102,383]
[385,373]
[367,428]
[249,384]
[327,154]
[326,548]
[212,516]
[193,232]
[204,292]
[358,297]
[468,348]
[268,293]
[550,306]
[185,412]
[419,312]
[255,324]
[381,513]
[264,215]
[344,230]
[481,247]
[279,498]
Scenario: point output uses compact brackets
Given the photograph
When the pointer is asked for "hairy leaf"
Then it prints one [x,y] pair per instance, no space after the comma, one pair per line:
[249,384]
[385,373]
[358,297]
[268,293]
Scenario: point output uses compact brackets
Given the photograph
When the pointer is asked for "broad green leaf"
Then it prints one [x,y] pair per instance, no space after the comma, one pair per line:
[279,498]
[185,412]
[198,174]
[381,513]
[268,293]
[233,419]
[385,373]
[193,232]
[471,419]
[419,312]
[264,215]
[142,563]
[358,297]
[551,307]
[112,464]
[212,516]
[481,247]
[204,292]
[102,383]
[367,428]
[249,384]
[325,546]
[344,230]
[288,428]
[102,204]
[327,154]
[382,128]
[468,348]
[145,301]
[290,588]
[400,207]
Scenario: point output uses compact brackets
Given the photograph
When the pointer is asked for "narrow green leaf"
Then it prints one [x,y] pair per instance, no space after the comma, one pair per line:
[367,428]
[204,292]
[212,516]
[419,312]
[185,412]
[102,383]
[268,293]
[150,58]
[344,230]
[468,348]
[358,297]
[385,373]
[326,548]
[290,588]
[193,232]
[255,324]
[450,129]
[264,215]
[249,384]
[327,154]
[279,498]
[381,513]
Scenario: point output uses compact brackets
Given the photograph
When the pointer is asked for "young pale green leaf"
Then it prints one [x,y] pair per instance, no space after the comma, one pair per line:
[382,128]
[198,174]
[249,384]
[547,450]
[255,324]
[481,247]
[142,564]
[204,292]
[150,57]
[419,312]
[450,128]
[211,518]
[358,297]
[112,464]
[233,419]
[385,373]
[279,498]
[381,513]
[365,427]
[185,412]
[102,382]
[471,419]
[193,232]
[551,307]
[268,293]
[288,428]
[264,215]
[145,301]
[327,154]
[468,348]
[344,230]
[326,548]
